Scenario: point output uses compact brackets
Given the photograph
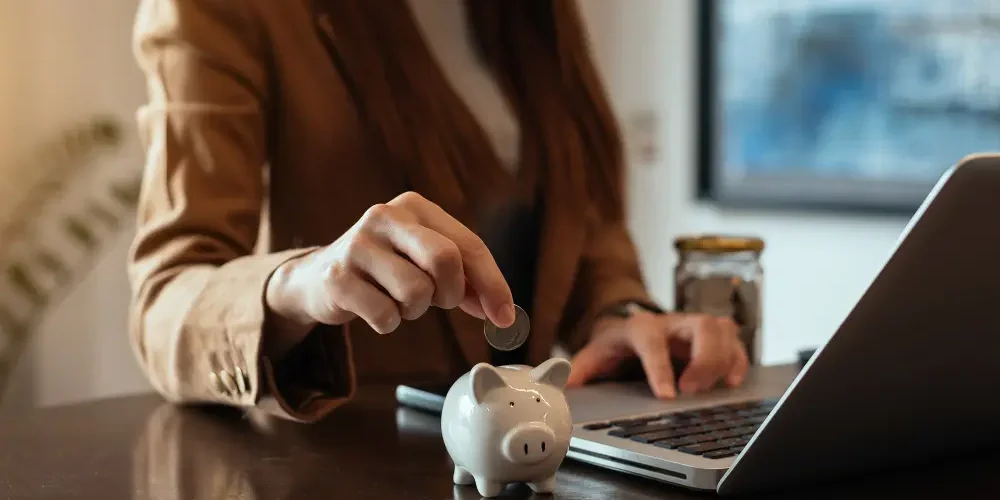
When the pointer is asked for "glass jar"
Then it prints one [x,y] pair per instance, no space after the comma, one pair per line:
[722,276]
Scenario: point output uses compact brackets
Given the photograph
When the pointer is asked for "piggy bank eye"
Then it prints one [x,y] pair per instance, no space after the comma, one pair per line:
[512,403]
[538,400]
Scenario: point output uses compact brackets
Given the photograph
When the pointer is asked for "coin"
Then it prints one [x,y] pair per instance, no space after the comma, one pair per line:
[510,338]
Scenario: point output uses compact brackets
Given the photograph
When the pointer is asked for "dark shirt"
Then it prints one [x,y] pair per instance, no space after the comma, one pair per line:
[512,235]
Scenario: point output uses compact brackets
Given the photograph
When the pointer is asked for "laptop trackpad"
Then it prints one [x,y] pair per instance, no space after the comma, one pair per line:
[612,400]
[609,400]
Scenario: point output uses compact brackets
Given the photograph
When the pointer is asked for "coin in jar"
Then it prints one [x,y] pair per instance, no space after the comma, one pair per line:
[510,338]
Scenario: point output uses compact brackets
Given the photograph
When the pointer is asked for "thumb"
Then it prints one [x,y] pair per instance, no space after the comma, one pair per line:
[596,359]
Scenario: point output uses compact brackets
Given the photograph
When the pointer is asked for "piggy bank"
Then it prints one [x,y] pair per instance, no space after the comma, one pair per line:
[508,424]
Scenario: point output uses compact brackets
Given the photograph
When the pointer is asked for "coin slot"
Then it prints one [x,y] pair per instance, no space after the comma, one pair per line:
[525,448]
[543,446]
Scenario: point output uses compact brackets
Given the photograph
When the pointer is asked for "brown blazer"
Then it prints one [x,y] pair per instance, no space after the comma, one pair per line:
[246,104]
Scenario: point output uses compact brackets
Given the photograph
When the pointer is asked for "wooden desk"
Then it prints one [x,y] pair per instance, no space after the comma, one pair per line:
[142,448]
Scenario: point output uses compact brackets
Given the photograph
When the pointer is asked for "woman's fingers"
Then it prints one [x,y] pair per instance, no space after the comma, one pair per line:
[480,270]
[401,258]
[653,350]
[356,295]
[436,255]
[740,365]
[470,303]
[714,343]
[407,284]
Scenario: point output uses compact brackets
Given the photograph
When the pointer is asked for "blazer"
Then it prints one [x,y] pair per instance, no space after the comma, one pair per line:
[254,155]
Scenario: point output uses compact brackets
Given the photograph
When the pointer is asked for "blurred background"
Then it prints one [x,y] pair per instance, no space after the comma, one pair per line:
[818,126]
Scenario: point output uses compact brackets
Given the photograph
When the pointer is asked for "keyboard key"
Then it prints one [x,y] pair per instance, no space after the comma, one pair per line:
[732,423]
[659,424]
[726,434]
[667,434]
[628,432]
[748,422]
[729,408]
[701,438]
[742,422]
[620,433]
[683,441]
[684,415]
[699,448]
[707,413]
[596,426]
[629,422]
[708,427]
[721,453]
[670,431]
[714,427]
[727,416]
[719,435]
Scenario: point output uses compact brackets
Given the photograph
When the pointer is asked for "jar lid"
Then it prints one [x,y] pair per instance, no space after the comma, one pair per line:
[719,243]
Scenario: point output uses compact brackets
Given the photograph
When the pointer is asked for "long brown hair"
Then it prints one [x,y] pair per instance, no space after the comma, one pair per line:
[540,47]
[537,49]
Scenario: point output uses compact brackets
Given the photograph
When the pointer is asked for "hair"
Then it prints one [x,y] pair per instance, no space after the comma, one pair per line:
[538,51]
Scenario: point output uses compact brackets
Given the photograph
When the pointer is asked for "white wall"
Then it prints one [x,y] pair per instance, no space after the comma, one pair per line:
[815,266]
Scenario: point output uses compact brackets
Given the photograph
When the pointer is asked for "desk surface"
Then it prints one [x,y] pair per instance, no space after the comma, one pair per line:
[142,448]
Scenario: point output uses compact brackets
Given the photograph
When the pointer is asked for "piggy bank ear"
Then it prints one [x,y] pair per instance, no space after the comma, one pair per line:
[485,378]
[554,372]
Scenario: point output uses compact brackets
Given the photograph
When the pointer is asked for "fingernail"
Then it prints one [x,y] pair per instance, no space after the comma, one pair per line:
[507,315]
[667,392]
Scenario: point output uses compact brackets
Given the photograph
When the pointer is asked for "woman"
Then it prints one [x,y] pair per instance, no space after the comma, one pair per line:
[425,165]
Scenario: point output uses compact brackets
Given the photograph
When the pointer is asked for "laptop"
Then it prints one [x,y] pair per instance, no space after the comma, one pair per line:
[912,374]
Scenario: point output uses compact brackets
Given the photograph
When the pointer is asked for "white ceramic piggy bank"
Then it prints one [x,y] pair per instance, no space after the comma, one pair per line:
[508,424]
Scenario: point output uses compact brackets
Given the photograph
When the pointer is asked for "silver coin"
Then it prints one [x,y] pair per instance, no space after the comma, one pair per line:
[510,338]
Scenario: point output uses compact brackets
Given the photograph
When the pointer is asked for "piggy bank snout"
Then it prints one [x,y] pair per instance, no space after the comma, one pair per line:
[529,443]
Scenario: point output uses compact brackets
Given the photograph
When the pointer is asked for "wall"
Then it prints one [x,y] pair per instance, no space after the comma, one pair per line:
[61,61]
[816,265]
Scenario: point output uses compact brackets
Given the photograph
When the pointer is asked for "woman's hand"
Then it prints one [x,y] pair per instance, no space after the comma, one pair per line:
[710,345]
[401,258]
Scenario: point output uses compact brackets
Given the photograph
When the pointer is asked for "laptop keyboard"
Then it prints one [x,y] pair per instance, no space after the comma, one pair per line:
[714,432]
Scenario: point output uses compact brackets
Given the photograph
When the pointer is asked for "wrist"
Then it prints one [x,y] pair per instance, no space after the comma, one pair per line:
[628,308]
[622,315]
[287,320]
